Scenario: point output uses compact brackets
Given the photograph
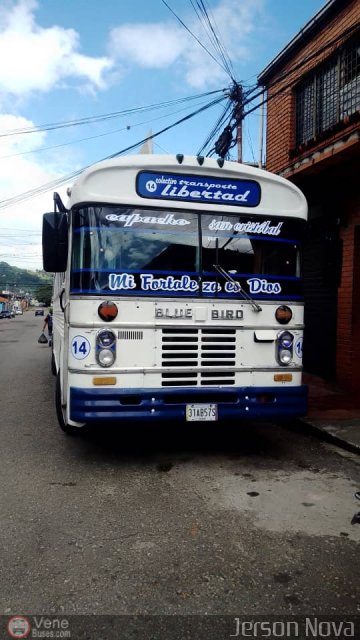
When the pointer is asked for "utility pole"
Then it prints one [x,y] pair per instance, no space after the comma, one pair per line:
[239,139]
[225,140]
[236,96]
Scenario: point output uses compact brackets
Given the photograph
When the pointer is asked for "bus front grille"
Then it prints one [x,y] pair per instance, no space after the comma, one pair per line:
[193,348]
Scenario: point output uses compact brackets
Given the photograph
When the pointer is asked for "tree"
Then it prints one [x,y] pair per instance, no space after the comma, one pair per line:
[43,294]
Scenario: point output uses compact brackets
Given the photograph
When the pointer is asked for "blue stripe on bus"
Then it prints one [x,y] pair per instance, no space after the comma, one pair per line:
[179,294]
[89,405]
[136,229]
[162,271]
[219,234]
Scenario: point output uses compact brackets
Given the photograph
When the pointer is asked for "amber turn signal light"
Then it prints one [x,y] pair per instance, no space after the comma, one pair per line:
[283,377]
[104,381]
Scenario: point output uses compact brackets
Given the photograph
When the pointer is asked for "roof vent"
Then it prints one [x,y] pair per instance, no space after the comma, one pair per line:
[200,160]
[180,157]
[220,162]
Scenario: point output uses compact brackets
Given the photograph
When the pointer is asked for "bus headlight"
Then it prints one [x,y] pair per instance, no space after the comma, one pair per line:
[106,348]
[285,347]
[106,357]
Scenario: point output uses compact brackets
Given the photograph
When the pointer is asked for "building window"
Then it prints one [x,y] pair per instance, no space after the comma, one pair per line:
[329,95]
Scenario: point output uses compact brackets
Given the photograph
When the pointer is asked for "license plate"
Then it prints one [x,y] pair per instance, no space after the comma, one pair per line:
[201,412]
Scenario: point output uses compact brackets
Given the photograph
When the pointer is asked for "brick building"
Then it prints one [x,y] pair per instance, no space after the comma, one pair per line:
[313,131]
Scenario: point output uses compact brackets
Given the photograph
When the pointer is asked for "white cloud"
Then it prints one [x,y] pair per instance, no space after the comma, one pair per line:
[16,143]
[159,45]
[20,224]
[142,44]
[21,171]
[36,58]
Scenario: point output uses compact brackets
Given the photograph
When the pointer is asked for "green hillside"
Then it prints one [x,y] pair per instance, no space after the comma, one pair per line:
[22,280]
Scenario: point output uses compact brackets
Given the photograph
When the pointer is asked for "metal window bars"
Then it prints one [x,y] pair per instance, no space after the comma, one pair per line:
[330,94]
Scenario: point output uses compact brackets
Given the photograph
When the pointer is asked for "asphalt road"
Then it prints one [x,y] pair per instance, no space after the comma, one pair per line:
[238,519]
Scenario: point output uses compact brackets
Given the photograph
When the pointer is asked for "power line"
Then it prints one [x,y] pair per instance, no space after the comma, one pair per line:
[250,143]
[100,135]
[59,181]
[218,125]
[195,37]
[103,117]
[249,98]
[251,95]
[225,142]
[203,16]
[302,62]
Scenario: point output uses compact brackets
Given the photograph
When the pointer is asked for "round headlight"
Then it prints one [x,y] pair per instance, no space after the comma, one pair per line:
[285,356]
[105,338]
[106,357]
[286,340]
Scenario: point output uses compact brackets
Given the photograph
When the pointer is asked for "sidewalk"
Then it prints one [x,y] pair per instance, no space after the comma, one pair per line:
[334,413]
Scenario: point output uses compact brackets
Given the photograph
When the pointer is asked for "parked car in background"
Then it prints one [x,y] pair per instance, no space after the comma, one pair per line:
[39,312]
[6,314]
[18,312]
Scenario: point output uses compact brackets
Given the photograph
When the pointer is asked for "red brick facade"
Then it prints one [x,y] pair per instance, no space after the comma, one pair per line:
[348,327]
[280,135]
[326,167]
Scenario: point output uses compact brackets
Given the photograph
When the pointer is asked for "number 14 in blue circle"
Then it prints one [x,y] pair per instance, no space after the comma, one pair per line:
[80,347]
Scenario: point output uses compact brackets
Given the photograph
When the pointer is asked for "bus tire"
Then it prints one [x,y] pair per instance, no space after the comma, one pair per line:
[53,364]
[67,428]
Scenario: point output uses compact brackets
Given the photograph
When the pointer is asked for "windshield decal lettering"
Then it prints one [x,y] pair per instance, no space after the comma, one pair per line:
[245,193]
[169,283]
[260,285]
[184,283]
[148,282]
[121,281]
[211,287]
[262,228]
[136,218]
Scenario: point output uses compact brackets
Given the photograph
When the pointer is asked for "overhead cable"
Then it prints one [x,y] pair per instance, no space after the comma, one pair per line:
[195,37]
[203,16]
[103,117]
[100,135]
[60,181]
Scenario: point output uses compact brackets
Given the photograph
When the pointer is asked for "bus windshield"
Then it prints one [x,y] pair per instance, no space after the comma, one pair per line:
[109,241]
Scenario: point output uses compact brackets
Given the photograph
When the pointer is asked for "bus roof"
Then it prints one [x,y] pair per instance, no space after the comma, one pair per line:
[186,182]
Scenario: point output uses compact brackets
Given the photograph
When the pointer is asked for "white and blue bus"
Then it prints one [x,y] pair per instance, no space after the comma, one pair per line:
[178,292]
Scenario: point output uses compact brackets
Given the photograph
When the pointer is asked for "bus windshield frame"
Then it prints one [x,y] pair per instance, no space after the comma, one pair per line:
[167,251]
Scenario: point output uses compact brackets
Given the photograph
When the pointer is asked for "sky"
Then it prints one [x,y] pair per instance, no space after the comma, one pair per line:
[65,61]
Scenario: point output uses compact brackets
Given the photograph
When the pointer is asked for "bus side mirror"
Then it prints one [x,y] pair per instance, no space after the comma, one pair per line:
[55,242]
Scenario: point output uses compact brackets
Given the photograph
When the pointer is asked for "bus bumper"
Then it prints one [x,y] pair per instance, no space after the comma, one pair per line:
[94,405]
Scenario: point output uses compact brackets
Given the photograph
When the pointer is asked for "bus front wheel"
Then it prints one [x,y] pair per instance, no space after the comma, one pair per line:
[61,415]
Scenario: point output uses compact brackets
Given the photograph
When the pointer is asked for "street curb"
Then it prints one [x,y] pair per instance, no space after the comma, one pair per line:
[330,437]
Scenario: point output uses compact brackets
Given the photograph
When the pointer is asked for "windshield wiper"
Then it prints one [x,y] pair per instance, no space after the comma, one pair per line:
[238,287]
